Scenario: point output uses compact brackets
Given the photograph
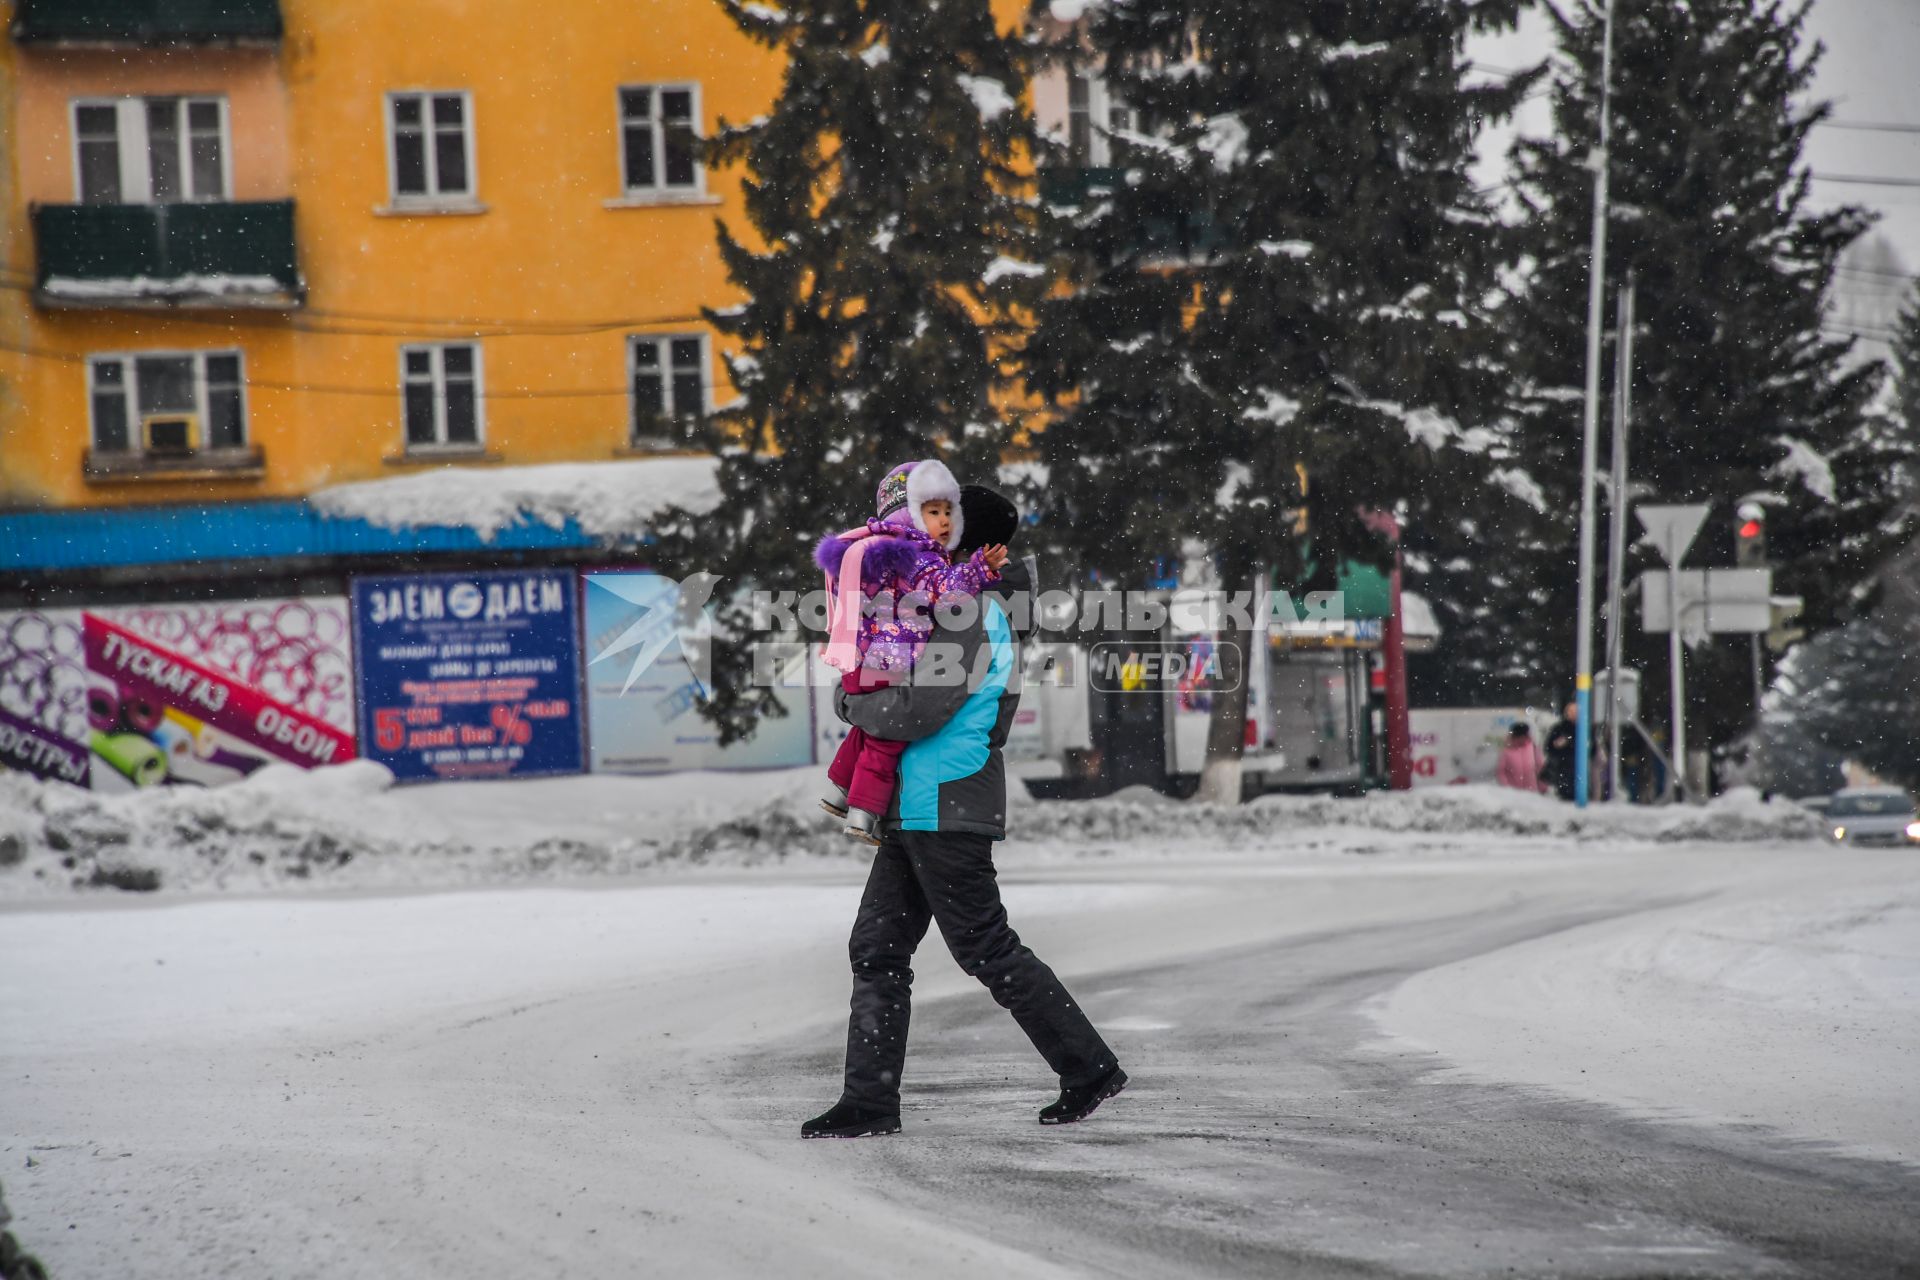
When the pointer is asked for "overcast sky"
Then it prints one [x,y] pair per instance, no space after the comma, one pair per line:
[1871,73]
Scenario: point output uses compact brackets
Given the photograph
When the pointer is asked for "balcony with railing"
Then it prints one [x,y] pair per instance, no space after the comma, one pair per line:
[225,254]
[147,22]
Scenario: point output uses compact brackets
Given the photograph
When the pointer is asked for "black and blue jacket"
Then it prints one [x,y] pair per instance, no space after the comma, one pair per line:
[955,713]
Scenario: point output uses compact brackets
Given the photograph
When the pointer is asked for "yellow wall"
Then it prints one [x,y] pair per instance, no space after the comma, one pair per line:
[52,78]
[547,253]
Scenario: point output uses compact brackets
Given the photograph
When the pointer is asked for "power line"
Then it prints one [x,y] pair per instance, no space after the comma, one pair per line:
[1882,272]
[1865,180]
[1849,331]
[1868,126]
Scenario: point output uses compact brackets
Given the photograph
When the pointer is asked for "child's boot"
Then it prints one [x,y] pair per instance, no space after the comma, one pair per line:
[835,801]
[862,825]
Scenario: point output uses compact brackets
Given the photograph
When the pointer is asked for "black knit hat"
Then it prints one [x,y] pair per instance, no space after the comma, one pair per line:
[988,518]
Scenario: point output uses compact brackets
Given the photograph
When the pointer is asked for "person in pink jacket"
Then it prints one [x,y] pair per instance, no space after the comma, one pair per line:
[885,579]
[1521,761]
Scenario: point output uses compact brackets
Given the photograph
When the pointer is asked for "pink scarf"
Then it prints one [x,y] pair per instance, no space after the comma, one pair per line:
[842,652]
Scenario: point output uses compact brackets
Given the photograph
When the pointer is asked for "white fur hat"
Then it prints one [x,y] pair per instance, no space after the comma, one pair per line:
[912,484]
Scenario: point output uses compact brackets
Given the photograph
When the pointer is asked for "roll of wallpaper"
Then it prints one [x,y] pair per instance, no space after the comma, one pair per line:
[173,739]
[140,759]
[196,729]
[103,709]
[239,762]
[142,713]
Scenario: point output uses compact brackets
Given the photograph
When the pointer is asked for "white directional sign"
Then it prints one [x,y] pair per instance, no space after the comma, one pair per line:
[1672,529]
[1711,601]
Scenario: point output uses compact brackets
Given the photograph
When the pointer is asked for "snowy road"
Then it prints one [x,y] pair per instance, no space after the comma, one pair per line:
[607,1082]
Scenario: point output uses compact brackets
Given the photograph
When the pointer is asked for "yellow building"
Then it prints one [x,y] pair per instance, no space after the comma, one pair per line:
[255,248]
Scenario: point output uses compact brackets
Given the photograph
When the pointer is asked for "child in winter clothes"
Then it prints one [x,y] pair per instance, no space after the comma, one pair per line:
[901,559]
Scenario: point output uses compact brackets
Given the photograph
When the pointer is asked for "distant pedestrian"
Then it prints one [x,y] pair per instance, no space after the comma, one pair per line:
[1560,751]
[1521,763]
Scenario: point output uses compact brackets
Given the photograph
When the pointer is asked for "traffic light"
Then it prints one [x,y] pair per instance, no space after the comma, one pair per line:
[1750,537]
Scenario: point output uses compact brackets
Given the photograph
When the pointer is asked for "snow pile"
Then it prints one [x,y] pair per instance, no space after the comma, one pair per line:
[349,826]
[1139,814]
[610,500]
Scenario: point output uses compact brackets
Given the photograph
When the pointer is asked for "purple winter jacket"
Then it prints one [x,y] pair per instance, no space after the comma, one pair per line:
[905,573]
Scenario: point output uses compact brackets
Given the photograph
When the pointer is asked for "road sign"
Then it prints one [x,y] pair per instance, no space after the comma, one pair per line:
[1672,530]
[1711,601]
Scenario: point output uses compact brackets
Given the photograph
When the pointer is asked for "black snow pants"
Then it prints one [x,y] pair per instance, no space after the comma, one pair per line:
[948,878]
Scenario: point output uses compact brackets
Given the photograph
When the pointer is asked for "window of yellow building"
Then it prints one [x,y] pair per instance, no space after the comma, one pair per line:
[430,147]
[658,128]
[669,387]
[150,150]
[441,399]
[162,404]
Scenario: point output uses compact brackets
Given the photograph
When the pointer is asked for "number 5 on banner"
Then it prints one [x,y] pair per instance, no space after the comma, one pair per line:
[389,733]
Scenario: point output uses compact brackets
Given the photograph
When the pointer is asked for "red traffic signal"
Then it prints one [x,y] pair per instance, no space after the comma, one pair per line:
[1750,541]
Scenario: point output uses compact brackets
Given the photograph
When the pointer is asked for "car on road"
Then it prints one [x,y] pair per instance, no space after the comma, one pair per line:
[1873,815]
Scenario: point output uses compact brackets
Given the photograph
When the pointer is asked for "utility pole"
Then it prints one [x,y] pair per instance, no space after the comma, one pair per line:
[1590,437]
[1617,528]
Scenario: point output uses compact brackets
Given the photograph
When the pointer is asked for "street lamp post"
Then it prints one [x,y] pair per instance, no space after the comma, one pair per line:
[1590,439]
[1617,526]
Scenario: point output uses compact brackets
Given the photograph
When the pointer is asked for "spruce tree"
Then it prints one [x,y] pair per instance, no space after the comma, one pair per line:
[891,243]
[1280,306]
[1906,366]
[1738,391]
[1855,691]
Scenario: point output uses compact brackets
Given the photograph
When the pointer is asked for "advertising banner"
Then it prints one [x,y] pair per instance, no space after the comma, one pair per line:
[203,694]
[43,695]
[643,686]
[469,675]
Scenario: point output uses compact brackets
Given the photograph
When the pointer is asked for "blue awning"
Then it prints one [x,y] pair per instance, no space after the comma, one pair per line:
[103,537]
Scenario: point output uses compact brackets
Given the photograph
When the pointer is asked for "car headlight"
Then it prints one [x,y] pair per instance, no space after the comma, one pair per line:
[1839,833]
[1913,831]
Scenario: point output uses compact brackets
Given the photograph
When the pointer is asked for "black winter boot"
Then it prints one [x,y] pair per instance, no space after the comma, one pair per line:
[1079,1103]
[851,1120]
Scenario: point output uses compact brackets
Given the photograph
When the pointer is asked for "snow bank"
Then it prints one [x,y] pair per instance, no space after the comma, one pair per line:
[349,827]
[1476,811]
[1790,1010]
[610,499]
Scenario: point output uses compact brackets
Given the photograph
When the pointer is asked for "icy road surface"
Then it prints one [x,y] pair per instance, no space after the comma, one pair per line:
[1671,1060]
